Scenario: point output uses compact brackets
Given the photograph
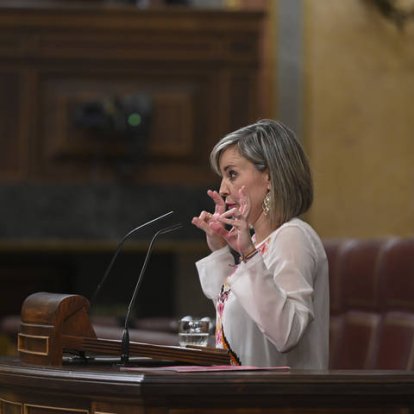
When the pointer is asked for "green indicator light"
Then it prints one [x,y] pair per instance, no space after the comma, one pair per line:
[134,119]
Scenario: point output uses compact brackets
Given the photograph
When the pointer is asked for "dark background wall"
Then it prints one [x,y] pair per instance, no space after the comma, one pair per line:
[78,171]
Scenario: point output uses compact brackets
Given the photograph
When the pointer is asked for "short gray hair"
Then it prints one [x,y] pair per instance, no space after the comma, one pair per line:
[272,146]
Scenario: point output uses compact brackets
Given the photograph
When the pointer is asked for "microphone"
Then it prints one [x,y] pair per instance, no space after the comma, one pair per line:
[125,335]
[127,236]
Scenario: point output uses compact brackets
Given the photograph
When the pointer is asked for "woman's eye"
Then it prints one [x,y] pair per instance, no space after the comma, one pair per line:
[232,174]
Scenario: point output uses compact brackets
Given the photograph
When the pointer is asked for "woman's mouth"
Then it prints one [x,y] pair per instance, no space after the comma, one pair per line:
[229,206]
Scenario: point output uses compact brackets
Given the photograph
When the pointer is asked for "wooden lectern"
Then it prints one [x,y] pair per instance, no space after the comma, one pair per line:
[52,324]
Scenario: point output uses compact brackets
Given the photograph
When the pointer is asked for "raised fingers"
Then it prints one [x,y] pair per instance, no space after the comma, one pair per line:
[232,217]
[202,220]
[220,205]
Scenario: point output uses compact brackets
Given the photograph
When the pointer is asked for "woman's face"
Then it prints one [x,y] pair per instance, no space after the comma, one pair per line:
[237,172]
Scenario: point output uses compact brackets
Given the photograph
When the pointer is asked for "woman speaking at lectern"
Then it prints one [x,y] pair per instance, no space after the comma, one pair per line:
[267,272]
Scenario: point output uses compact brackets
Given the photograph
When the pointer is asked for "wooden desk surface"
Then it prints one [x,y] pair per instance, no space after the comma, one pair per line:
[106,388]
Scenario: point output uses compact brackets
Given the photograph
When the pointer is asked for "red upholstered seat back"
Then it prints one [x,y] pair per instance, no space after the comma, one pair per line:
[395,345]
[372,303]
[354,342]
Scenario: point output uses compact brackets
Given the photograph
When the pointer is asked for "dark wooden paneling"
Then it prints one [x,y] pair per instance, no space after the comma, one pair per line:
[200,68]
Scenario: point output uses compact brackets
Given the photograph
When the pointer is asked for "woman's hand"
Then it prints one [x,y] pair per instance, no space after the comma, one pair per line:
[210,223]
[238,237]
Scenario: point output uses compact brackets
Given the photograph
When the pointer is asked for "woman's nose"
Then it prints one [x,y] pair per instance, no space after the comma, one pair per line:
[223,190]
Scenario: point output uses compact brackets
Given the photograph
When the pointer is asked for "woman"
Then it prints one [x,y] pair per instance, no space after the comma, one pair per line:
[272,305]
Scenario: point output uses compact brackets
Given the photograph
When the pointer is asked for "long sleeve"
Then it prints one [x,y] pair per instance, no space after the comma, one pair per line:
[278,293]
[213,270]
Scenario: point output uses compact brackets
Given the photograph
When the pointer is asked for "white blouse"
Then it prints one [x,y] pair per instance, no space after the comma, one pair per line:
[274,309]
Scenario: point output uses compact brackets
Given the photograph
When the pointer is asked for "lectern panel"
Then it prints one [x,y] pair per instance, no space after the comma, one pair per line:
[107,389]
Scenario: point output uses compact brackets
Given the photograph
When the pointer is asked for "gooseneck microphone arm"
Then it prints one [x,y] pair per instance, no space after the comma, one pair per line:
[125,335]
[121,243]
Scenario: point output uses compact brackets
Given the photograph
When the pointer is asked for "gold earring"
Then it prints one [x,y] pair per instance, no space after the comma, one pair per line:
[266,204]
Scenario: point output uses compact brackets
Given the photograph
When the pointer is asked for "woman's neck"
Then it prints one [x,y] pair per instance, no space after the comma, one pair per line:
[263,228]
